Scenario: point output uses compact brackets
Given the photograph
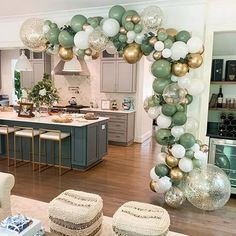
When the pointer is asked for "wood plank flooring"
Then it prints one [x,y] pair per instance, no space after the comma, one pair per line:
[121,177]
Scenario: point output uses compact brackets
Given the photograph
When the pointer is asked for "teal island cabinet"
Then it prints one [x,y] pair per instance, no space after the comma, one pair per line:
[86,146]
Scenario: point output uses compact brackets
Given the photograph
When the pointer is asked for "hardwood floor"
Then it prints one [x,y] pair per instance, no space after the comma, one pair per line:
[121,177]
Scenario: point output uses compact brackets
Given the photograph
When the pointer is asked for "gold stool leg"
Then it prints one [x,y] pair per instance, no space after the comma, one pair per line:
[14,150]
[59,156]
[32,140]
[8,150]
[39,154]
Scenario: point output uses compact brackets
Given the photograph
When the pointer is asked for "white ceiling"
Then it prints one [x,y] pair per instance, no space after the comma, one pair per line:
[25,7]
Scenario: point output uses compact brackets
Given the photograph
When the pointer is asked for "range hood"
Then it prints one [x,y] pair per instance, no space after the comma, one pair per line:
[65,69]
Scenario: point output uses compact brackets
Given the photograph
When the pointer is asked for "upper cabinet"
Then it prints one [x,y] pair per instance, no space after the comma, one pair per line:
[117,76]
[41,63]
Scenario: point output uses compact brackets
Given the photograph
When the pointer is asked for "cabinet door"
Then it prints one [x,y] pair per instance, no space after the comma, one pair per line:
[38,70]
[26,79]
[125,77]
[108,76]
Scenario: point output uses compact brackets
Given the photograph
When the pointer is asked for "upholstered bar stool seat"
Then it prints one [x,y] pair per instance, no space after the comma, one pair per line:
[54,136]
[5,130]
[27,133]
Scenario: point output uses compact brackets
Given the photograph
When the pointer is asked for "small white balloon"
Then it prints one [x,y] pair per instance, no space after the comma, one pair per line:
[166,53]
[89,29]
[179,50]
[139,38]
[111,27]
[150,58]
[178,151]
[131,35]
[195,147]
[81,40]
[196,87]
[199,155]
[177,131]
[194,44]
[161,158]
[163,121]
[159,46]
[191,125]
[129,40]
[185,164]
[153,112]
[174,78]
[46,28]
[163,185]
[153,175]
[184,82]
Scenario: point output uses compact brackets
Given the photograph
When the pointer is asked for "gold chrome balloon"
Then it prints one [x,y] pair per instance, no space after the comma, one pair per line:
[152,40]
[66,54]
[132,53]
[128,18]
[85,26]
[123,30]
[179,69]
[156,55]
[176,174]
[151,185]
[172,32]
[194,60]
[171,161]
[95,55]
[135,19]
[161,30]
[88,51]
[204,148]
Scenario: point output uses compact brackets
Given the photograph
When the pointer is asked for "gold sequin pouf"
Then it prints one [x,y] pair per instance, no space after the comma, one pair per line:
[75,213]
[140,219]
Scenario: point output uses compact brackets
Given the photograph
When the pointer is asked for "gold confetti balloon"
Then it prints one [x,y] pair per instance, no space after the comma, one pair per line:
[152,185]
[98,40]
[174,197]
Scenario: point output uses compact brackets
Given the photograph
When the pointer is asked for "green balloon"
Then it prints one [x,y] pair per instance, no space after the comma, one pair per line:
[179,118]
[183,36]
[154,101]
[161,170]
[223,162]
[146,49]
[168,109]
[189,154]
[94,22]
[164,137]
[66,39]
[161,68]
[197,163]
[179,107]
[159,84]
[47,22]
[168,43]
[171,38]
[52,36]
[129,26]
[77,22]
[122,38]
[162,36]
[80,52]
[189,98]
[138,28]
[116,12]
[128,13]
[53,25]
[187,140]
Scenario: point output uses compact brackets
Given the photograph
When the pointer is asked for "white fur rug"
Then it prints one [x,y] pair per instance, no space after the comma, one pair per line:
[39,210]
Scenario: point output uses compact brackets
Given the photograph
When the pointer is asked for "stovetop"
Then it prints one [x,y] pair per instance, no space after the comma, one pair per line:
[69,108]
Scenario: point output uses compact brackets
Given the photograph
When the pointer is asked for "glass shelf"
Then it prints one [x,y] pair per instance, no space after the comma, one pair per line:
[223,82]
[224,109]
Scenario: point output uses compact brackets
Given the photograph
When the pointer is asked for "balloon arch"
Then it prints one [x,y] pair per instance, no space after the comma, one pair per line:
[173,54]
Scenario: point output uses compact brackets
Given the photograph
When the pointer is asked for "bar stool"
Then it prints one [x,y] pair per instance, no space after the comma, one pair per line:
[25,132]
[6,130]
[53,135]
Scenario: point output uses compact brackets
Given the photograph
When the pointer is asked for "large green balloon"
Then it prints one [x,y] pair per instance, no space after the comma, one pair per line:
[66,39]
[168,109]
[183,36]
[77,22]
[116,12]
[189,154]
[52,35]
[161,68]
[161,170]
[179,118]
[128,13]
[159,85]
[146,49]
[164,137]
[187,140]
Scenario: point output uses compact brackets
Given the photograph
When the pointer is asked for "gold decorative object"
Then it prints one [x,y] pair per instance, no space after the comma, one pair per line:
[204,148]
[153,40]
[128,18]
[194,60]
[171,161]
[172,32]
[174,197]
[156,55]
[176,174]
[179,69]
[161,30]
[88,52]
[151,185]
[95,55]
[85,26]
[136,19]
[98,40]
[66,54]
[132,53]
[123,30]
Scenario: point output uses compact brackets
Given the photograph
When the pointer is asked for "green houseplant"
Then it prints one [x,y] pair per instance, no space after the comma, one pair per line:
[18,91]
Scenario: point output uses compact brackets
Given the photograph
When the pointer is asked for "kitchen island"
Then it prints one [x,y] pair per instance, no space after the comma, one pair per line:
[84,149]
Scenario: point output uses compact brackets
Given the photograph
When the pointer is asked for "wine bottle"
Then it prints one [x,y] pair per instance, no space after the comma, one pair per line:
[226,122]
[222,127]
[220,98]
[222,116]
[233,122]
[230,116]
[230,128]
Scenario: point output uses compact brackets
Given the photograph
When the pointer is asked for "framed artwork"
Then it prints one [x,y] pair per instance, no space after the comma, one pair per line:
[26,110]
[105,104]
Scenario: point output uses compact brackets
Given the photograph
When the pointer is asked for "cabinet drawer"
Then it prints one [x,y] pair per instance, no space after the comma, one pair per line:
[114,116]
[116,137]
[117,126]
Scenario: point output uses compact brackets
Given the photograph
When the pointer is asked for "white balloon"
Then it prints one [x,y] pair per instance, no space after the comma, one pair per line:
[139,38]
[153,112]
[194,44]
[46,28]
[179,50]
[81,40]
[196,87]
[111,27]
[130,40]
[184,82]
[153,175]
[89,29]
[185,164]
[150,58]
[163,185]
[174,78]
[177,131]
[178,151]
[199,155]
[195,147]
[163,121]
[166,53]
[159,46]
[191,125]
[131,35]
[161,158]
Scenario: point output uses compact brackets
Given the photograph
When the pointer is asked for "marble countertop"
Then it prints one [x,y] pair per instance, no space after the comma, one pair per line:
[77,121]
[100,110]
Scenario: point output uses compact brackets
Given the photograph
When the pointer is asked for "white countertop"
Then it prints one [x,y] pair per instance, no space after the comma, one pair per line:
[100,110]
[79,122]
